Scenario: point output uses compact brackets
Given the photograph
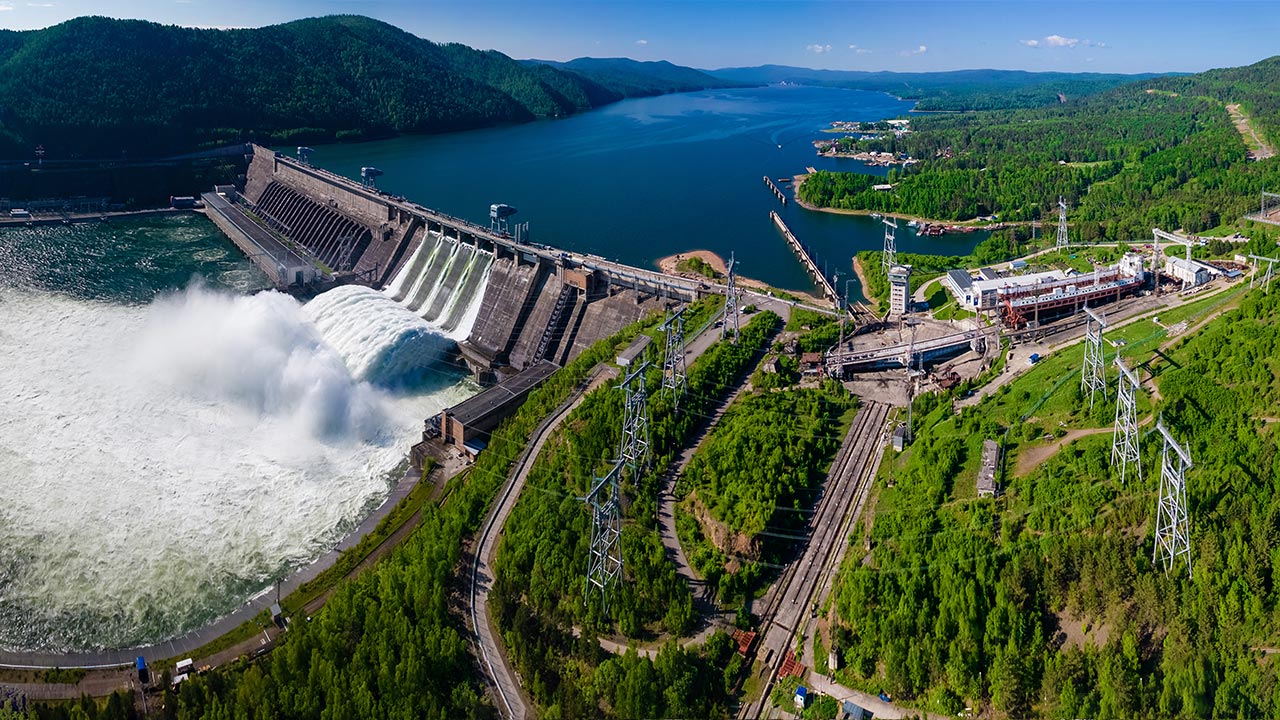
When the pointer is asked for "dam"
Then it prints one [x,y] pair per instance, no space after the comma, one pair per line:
[509,303]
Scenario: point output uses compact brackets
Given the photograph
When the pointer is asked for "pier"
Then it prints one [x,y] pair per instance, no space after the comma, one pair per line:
[810,265]
[774,188]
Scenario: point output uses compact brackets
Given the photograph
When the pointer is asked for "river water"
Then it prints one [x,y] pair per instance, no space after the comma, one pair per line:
[174,438]
[650,177]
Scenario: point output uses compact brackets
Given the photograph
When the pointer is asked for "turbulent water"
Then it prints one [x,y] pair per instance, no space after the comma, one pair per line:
[170,443]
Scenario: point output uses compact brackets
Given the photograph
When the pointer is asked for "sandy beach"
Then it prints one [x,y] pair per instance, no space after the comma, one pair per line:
[668,265]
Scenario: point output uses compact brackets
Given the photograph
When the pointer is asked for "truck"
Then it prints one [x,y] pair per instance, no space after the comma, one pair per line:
[1033,359]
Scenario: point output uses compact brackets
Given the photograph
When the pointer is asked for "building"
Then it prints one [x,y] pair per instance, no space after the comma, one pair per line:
[960,284]
[987,473]
[899,289]
[634,350]
[1190,273]
[467,424]
[802,695]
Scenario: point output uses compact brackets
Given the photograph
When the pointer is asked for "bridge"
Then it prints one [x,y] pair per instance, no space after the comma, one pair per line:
[806,258]
[839,362]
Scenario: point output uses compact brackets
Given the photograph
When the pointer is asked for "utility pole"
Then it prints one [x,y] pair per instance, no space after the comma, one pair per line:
[604,564]
[730,303]
[1093,375]
[1173,536]
[889,256]
[1062,223]
[673,364]
[1124,435]
[634,449]
[1266,280]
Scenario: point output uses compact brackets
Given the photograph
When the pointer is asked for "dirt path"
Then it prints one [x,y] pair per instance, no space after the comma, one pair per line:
[1031,458]
[1258,148]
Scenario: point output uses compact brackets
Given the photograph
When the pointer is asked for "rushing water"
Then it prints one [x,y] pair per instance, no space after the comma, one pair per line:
[173,438]
[651,177]
[170,443]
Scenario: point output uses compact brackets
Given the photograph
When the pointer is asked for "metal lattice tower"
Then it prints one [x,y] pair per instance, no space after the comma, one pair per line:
[1093,375]
[730,303]
[1124,436]
[1173,535]
[1266,280]
[1062,223]
[604,564]
[889,257]
[673,364]
[634,449]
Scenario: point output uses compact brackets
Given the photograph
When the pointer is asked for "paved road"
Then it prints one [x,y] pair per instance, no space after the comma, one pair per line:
[501,676]
[793,595]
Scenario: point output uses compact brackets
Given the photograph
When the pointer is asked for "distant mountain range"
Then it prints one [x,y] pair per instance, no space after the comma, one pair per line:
[953,90]
[100,87]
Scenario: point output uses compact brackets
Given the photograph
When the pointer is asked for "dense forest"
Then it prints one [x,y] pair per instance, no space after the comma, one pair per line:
[1045,601]
[1161,153]
[387,644]
[951,90]
[540,596]
[95,86]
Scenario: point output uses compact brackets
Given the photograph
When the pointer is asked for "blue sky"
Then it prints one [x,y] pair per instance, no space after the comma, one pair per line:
[905,35]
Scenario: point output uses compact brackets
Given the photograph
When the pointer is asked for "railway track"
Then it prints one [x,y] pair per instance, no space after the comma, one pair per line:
[796,591]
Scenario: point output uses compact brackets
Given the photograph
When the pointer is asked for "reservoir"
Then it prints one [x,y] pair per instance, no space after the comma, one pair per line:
[650,177]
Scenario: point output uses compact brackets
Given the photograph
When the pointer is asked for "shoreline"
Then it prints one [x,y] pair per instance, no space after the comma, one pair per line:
[667,265]
[798,180]
[862,279]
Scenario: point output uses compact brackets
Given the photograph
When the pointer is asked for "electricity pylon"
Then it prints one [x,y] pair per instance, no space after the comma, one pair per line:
[673,364]
[1173,535]
[1062,223]
[1093,375]
[1124,436]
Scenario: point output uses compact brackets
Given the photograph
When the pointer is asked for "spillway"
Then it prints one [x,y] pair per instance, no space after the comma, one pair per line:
[443,283]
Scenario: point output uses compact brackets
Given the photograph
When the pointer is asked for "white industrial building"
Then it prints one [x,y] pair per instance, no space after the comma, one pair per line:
[1188,272]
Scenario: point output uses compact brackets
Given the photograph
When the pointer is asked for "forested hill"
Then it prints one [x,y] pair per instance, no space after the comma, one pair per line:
[634,78]
[952,90]
[98,87]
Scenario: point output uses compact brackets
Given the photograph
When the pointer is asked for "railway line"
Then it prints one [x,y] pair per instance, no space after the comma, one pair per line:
[796,590]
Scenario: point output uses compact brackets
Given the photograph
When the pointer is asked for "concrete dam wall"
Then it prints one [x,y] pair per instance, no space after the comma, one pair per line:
[508,304]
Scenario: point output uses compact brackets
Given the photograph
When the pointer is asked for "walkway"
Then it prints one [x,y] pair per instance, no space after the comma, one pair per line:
[500,674]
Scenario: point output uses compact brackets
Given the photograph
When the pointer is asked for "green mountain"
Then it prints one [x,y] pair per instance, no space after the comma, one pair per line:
[634,78]
[98,87]
[953,90]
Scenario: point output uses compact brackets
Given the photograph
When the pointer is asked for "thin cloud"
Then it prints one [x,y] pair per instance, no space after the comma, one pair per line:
[1059,41]
[642,42]
[918,51]
[5,7]
[860,50]
[818,49]
[45,5]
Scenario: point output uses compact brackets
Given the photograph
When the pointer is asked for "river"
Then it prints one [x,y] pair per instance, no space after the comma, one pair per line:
[650,177]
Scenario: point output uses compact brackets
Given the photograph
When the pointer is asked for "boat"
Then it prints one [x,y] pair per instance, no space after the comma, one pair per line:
[784,179]
[913,223]
[876,216]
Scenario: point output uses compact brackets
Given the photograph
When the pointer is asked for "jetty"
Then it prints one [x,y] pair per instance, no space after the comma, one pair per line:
[775,189]
[806,257]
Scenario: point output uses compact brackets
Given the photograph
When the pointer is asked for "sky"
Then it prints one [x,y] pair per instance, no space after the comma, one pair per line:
[901,35]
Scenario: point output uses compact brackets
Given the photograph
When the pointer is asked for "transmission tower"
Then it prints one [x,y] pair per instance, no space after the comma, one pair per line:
[604,565]
[1093,376]
[1124,436]
[634,450]
[1062,223]
[1173,536]
[730,303]
[673,366]
[1266,280]
[889,256]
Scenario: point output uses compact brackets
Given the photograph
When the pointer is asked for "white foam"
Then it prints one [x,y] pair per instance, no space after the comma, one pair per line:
[160,464]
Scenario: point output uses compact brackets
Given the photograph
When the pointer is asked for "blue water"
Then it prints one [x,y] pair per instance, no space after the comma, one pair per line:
[650,177]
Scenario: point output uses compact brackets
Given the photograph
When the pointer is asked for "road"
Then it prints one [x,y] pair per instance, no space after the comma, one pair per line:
[500,674]
[790,603]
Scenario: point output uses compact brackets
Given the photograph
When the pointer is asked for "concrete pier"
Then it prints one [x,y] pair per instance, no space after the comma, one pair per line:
[774,188]
[810,265]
